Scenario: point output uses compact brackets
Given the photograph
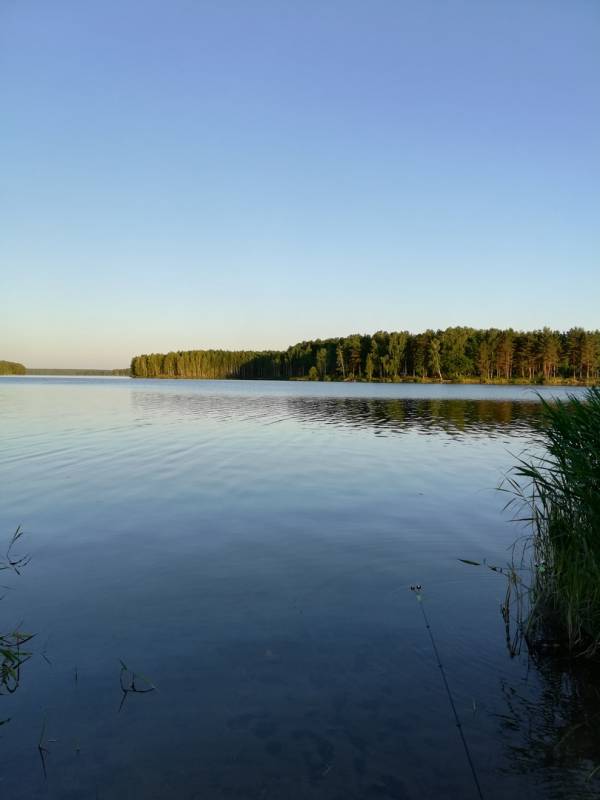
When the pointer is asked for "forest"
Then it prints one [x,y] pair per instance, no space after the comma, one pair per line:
[11,368]
[453,354]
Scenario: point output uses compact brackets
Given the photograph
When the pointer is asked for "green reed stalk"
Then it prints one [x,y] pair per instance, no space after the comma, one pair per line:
[560,492]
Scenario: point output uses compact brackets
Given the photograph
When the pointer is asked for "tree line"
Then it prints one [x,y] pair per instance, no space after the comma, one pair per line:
[11,368]
[84,372]
[456,353]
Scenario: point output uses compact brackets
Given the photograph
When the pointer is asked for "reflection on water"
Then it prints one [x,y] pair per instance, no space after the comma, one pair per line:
[552,733]
[248,551]
[383,416]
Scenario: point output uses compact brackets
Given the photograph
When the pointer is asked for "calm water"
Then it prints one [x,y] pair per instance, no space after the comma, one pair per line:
[248,547]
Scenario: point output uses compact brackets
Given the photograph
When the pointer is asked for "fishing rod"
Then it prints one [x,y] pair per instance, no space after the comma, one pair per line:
[417,589]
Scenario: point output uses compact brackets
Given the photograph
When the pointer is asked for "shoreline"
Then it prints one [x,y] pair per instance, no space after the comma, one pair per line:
[416,381]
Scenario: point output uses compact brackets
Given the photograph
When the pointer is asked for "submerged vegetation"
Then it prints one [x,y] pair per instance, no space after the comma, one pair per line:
[458,353]
[11,368]
[559,493]
[12,655]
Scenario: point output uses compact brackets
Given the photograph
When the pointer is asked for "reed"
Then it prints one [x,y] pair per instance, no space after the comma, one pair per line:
[557,493]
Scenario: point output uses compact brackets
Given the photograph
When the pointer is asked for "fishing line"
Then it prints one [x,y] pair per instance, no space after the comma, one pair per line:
[417,590]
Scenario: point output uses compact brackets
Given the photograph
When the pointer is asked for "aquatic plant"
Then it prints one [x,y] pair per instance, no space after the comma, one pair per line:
[557,493]
[133,683]
[554,729]
[12,655]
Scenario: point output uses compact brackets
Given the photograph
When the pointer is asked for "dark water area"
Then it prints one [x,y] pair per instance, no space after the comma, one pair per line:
[248,548]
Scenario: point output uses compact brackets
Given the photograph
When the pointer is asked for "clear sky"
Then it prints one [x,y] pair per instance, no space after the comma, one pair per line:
[190,174]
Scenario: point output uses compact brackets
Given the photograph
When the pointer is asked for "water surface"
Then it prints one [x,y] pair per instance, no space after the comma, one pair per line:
[249,547]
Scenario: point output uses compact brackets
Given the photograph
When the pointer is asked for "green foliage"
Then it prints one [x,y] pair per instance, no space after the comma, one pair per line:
[11,368]
[560,492]
[455,354]
[322,362]
[434,358]
[212,364]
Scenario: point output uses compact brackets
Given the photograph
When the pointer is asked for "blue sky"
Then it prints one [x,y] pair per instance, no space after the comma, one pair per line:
[179,175]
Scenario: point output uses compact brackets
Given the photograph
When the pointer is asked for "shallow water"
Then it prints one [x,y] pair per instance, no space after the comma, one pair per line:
[249,547]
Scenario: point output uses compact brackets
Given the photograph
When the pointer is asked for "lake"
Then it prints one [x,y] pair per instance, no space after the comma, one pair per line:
[247,548]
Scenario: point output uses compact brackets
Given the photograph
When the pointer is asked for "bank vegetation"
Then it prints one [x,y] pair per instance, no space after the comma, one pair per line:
[453,354]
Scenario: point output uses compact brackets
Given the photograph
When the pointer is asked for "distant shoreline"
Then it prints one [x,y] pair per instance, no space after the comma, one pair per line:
[415,381]
[407,381]
[456,355]
[106,373]
[81,372]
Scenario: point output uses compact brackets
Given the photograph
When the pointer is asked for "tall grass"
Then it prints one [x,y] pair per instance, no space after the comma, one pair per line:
[558,494]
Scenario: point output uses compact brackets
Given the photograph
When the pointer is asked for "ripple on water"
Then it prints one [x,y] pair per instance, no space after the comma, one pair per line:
[249,547]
